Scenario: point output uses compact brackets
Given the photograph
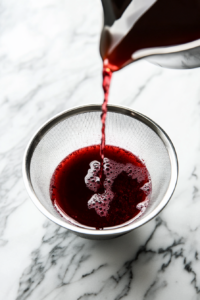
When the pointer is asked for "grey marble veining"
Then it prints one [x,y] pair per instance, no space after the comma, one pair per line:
[49,61]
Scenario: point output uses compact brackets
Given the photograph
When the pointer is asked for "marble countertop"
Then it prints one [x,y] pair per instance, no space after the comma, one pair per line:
[49,62]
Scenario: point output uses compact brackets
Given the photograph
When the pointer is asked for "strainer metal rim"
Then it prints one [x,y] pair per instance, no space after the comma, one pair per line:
[92,108]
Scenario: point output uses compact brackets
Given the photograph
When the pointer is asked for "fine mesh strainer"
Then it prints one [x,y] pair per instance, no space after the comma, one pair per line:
[81,127]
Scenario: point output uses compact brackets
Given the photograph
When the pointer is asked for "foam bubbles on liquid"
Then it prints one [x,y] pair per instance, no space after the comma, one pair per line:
[111,169]
[92,181]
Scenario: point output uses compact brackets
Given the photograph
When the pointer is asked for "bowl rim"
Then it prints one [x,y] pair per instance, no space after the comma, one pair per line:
[94,108]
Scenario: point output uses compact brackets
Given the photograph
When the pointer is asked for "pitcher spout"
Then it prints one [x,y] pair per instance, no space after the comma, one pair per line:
[151,29]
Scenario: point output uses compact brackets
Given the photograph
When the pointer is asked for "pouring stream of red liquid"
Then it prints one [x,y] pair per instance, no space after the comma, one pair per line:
[107,76]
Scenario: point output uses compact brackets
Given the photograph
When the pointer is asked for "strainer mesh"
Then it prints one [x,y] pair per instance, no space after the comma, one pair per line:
[83,130]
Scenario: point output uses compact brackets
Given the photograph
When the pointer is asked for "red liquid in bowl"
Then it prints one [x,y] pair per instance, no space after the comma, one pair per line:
[76,190]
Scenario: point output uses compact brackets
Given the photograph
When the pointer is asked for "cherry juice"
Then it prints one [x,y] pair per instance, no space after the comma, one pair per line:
[101,186]
[107,76]
[76,190]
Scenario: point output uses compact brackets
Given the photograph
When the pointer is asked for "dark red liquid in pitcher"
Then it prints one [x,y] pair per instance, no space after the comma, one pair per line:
[76,191]
[165,23]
